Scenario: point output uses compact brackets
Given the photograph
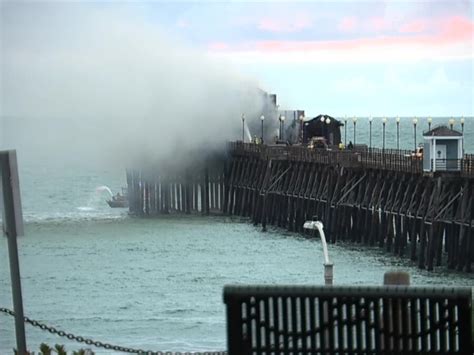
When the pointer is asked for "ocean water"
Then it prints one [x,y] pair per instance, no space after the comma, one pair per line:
[157,283]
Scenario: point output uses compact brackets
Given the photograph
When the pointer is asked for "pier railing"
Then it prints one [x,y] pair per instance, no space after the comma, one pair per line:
[389,159]
[468,165]
[372,158]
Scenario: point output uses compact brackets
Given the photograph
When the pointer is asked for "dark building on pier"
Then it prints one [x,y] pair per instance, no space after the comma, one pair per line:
[323,126]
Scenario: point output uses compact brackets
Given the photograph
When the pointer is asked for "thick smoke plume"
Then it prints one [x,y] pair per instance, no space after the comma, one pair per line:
[85,83]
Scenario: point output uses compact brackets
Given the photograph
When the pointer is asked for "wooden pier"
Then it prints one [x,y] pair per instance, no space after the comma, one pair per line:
[164,189]
[372,197]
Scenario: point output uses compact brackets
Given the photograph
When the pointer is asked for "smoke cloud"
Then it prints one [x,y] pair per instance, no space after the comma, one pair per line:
[102,84]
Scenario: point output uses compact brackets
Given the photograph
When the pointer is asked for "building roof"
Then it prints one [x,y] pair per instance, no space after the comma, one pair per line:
[442,131]
[325,117]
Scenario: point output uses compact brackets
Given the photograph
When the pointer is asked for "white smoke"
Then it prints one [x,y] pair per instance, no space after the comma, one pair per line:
[101,84]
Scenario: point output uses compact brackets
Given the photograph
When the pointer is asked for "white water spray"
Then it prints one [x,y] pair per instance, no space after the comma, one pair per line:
[247,131]
[95,200]
[104,188]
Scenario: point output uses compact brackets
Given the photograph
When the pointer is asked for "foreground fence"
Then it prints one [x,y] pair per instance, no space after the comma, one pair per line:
[348,320]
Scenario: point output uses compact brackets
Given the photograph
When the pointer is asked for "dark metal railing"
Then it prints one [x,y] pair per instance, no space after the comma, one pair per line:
[468,165]
[373,158]
[348,320]
[389,159]
[446,164]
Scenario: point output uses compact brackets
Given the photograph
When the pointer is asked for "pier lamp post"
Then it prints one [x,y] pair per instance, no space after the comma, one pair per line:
[415,121]
[370,132]
[279,130]
[282,124]
[429,123]
[262,117]
[398,132]
[451,123]
[243,129]
[462,141]
[302,128]
[384,122]
[345,131]
[328,121]
[355,121]
[323,127]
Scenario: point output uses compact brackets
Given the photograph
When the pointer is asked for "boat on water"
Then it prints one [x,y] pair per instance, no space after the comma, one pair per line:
[119,200]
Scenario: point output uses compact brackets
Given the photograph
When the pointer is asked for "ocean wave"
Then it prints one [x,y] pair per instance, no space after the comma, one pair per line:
[86,208]
[56,218]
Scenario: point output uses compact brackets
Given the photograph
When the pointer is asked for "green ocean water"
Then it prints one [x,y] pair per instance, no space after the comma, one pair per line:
[157,283]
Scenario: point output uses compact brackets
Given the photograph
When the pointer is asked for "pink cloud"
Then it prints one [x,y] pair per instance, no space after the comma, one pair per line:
[448,28]
[379,24]
[415,26]
[455,30]
[361,43]
[347,24]
[282,24]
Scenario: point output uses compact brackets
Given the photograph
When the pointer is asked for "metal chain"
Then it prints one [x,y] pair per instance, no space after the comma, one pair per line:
[103,345]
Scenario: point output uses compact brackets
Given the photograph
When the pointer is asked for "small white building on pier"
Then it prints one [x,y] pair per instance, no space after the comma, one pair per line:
[442,150]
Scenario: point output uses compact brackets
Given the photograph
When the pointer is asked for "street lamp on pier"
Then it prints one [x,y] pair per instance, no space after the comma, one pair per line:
[323,127]
[415,121]
[302,128]
[243,129]
[384,122]
[398,132]
[262,118]
[328,121]
[345,131]
[282,123]
[355,121]
[451,123]
[429,123]
[370,132]
[462,130]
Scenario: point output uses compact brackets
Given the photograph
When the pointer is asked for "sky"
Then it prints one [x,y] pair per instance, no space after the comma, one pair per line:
[160,75]
[340,57]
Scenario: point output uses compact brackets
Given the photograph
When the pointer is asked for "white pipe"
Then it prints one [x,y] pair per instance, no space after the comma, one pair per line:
[328,266]
[319,226]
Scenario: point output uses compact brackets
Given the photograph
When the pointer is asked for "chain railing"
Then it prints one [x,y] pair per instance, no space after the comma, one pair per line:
[103,345]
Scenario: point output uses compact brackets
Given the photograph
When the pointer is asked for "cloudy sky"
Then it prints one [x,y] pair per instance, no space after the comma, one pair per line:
[344,57]
[341,58]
